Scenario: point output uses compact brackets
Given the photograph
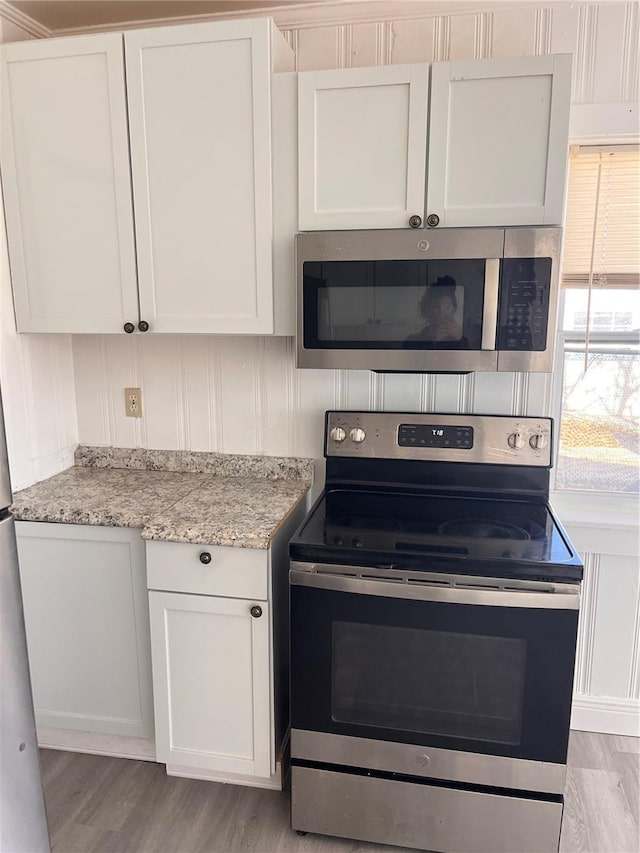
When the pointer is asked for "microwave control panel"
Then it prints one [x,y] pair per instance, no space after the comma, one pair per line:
[524,304]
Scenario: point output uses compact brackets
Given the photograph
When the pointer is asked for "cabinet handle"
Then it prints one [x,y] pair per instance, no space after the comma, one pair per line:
[129,328]
[415,221]
[143,326]
[432,220]
[256,611]
[205,558]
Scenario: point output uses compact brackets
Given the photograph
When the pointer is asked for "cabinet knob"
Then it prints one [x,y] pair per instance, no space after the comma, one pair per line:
[205,558]
[143,326]
[256,611]
[432,220]
[415,221]
[129,328]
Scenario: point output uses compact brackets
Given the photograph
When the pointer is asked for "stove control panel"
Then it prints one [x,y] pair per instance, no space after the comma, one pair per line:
[435,435]
[487,439]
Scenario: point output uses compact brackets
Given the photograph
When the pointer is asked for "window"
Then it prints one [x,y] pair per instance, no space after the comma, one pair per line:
[599,447]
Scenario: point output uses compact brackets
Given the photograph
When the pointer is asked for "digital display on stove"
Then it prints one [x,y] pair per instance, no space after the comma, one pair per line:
[435,435]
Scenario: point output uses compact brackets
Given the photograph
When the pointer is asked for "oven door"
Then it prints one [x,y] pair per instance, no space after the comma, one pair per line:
[449,678]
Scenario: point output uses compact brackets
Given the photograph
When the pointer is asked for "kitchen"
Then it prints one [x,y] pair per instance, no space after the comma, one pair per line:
[258,403]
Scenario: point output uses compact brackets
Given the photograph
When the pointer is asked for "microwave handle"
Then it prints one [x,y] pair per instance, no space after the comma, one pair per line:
[490,303]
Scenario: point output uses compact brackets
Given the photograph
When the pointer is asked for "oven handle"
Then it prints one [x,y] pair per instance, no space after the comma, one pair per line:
[550,597]
[490,303]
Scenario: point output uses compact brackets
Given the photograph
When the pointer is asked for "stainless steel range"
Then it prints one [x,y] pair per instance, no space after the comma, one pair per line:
[434,612]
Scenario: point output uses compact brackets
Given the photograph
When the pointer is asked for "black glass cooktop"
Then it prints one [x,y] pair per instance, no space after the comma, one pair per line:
[432,532]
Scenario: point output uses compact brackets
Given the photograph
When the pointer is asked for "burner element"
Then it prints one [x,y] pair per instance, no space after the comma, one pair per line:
[481,528]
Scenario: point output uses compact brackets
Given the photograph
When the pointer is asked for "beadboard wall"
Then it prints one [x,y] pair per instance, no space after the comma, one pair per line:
[244,394]
[36,377]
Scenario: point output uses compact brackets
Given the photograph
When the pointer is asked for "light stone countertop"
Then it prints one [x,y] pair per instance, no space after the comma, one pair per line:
[243,504]
[237,511]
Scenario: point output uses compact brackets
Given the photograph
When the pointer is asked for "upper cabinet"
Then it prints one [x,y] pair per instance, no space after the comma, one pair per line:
[495,151]
[66,185]
[199,114]
[499,141]
[189,107]
[362,146]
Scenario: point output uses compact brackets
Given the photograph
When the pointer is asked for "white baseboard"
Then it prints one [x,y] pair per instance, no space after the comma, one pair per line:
[273,783]
[96,743]
[606,715]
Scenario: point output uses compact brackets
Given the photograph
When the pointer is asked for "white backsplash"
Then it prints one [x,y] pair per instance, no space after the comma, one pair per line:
[245,395]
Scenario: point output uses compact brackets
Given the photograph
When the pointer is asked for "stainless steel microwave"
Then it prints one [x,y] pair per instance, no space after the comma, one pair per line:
[450,301]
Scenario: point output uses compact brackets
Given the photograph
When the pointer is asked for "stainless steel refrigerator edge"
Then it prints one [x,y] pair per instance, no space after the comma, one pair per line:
[23,822]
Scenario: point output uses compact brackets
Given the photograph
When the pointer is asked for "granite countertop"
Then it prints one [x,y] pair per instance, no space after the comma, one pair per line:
[215,499]
[229,511]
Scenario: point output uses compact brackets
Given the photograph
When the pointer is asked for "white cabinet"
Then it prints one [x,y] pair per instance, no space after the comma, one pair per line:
[199,112]
[362,146]
[219,647]
[66,184]
[211,683]
[495,152]
[198,132]
[87,622]
[498,141]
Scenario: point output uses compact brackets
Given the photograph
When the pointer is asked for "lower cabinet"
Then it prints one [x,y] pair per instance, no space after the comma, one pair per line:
[211,683]
[119,631]
[86,614]
[219,650]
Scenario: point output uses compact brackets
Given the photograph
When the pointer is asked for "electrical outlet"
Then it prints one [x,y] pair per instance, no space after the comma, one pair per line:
[133,402]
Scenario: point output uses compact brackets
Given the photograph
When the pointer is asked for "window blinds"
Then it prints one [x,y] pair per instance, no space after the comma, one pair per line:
[602,230]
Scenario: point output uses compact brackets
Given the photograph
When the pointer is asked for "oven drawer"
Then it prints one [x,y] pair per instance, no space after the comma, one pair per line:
[449,765]
[425,817]
[230,572]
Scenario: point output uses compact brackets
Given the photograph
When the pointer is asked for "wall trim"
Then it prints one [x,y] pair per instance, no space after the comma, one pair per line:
[25,22]
[95,743]
[606,715]
[272,783]
[604,122]
[324,14]
[118,726]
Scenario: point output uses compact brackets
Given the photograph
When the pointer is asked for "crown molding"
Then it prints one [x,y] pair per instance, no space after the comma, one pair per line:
[25,22]
[326,14]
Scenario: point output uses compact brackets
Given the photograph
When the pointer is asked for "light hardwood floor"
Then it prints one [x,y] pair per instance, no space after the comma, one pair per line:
[114,805]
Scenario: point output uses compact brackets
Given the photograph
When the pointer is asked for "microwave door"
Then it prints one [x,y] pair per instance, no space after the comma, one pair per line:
[435,315]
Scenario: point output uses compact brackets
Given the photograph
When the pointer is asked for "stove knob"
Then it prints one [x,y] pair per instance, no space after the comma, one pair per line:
[337,434]
[516,440]
[358,435]
[538,441]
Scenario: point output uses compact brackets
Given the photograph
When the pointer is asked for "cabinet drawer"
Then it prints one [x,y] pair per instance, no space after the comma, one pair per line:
[232,572]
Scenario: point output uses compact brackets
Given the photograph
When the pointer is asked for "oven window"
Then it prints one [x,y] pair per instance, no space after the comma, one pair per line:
[432,682]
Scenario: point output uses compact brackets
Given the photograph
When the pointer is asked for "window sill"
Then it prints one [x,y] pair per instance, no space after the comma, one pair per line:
[600,523]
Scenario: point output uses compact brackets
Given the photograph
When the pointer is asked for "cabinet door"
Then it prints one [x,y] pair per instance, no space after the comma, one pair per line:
[211,683]
[498,141]
[362,146]
[66,183]
[87,621]
[199,114]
